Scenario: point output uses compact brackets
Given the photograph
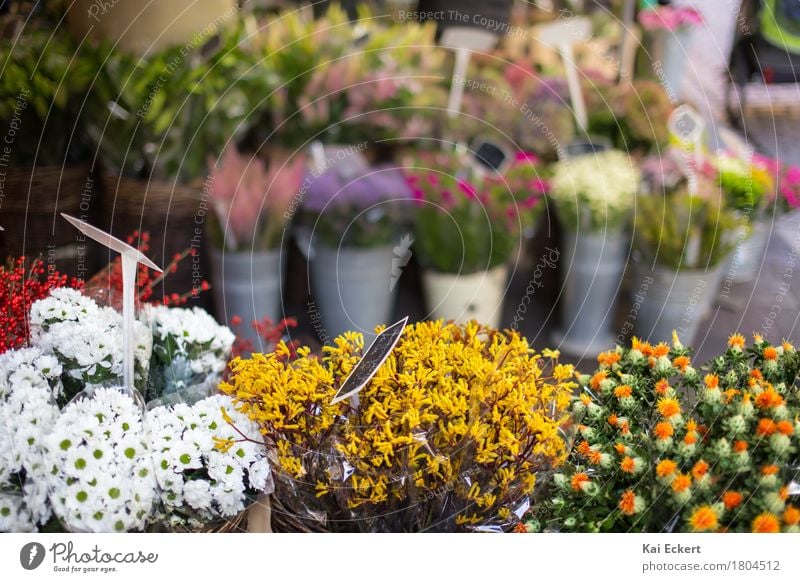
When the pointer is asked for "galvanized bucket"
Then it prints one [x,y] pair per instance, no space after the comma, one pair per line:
[248,285]
[591,275]
[746,260]
[352,289]
[462,298]
[674,300]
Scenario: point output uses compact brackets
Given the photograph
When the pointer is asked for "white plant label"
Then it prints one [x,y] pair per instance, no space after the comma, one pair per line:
[130,258]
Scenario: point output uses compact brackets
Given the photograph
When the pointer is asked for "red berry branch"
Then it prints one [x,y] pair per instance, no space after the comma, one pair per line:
[23,282]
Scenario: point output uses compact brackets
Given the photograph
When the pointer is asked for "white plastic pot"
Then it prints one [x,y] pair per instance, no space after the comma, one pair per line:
[591,273]
[248,285]
[352,289]
[462,298]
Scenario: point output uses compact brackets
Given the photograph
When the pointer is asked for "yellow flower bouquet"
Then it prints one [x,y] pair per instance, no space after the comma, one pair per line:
[451,433]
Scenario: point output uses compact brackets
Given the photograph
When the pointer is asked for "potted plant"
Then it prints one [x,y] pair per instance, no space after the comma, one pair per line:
[750,187]
[352,213]
[156,119]
[594,195]
[45,149]
[250,201]
[670,26]
[684,241]
[467,465]
[467,227]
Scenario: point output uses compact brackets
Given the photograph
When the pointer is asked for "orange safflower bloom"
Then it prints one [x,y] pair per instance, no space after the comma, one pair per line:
[732,499]
[660,350]
[690,438]
[612,420]
[668,407]
[627,465]
[666,467]
[625,428]
[682,362]
[766,523]
[711,381]
[783,493]
[730,393]
[766,427]
[756,373]
[787,346]
[661,387]
[663,430]
[703,519]
[608,358]
[691,425]
[736,341]
[681,483]
[520,528]
[627,502]
[594,457]
[586,400]
[620,448]
[770,353]
[768,398]
[739,446]
[700,468]
[791,516]
[583,448]
[597,378]
[623,391]
[643,347]
[785,427]
[578,479]
[770,470]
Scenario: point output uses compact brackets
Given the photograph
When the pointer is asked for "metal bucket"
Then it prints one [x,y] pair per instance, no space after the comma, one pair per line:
[247,285]
[462,298]
[353,289]
[746,260]
[591,275]
[674,300]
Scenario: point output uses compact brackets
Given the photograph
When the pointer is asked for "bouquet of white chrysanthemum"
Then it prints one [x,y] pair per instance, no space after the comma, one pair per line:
[190,351]
[87,340]
[205,469]
[29,383]
[595,191]
[101,476]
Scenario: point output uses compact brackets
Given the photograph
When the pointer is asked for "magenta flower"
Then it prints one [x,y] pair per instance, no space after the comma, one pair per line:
[467,188]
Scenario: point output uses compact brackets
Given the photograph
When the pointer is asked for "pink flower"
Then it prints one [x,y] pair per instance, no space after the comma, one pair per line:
[669,18]
[467,188]
[529,157]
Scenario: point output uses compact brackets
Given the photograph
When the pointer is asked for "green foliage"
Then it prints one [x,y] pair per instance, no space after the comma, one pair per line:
[681,231]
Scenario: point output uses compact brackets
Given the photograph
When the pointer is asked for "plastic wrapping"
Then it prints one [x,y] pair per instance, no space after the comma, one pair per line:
[451,434]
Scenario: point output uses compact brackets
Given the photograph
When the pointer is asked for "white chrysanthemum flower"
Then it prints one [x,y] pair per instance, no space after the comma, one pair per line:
[29,384]
[63,304]
[14,514]
[102,478]
[190,348]
[197,479]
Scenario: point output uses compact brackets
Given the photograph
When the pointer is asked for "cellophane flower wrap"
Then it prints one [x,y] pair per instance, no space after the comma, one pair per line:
[206,471]
[451,433]
[190,353]
[643,460]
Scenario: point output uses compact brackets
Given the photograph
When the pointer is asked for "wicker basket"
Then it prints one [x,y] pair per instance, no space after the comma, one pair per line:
[30,214]
[173,214]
